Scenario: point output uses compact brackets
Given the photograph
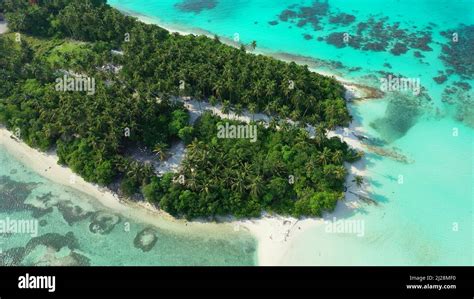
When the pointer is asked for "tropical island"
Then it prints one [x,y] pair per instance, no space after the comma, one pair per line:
[142,77]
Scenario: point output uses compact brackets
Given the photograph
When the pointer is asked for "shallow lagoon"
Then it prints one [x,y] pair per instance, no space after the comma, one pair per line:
[75,229]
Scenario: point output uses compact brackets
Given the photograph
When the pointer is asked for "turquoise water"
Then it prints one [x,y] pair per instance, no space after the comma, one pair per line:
[428,219]
[74,229]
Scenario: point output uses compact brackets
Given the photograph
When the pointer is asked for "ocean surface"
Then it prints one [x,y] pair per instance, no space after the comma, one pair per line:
[425,200]
[424,214]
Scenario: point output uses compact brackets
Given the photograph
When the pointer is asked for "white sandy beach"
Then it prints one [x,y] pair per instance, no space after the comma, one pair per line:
[273,233]
[46,165]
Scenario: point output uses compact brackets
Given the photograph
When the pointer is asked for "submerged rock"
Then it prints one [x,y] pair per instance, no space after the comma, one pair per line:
[342,19]
[40,212]
[48,256]
[103,222]
[53,240]
[399,49]
[196,6]
[402,113]
[457,52]
[12,257]
[390,153]
[72,213]
[440,79]
[461,98]
[14,194]
[146,239]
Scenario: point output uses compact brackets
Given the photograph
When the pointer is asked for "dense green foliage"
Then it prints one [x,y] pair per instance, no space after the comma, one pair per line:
[188,65]
[131,107]
[89,130]
[284,171]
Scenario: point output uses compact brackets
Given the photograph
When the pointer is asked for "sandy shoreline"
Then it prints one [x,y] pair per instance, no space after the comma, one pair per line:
[274,234]
[45,164]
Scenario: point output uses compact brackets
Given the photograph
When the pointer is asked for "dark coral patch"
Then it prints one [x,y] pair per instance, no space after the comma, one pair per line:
[378,34]
[306,15]
[336,39]
[72,213]
[40,212]
[399,49]
[342,19]
[196,6]
[460,96]
[463,85]
[53,240]
[440,79]
[402,113]
[418,54]
[12,257]
[375,47]
[14,194]
[457,53]
[103,222]
[146,239]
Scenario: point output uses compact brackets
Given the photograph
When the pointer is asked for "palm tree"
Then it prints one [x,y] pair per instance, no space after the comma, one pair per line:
[253,109]
[160,149]
[324,156]
[272,124]
[320,134]
[302,136]
[253,45]
[311,166]
[268,109]
[270,89]
[218,88]
[213,101]
[295,114]
[337,157]
[192,181]
[358,180]
[134,171]
[196,151]
[239,184]
[238,110]
[226,107]
[256,186]
[339,172]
